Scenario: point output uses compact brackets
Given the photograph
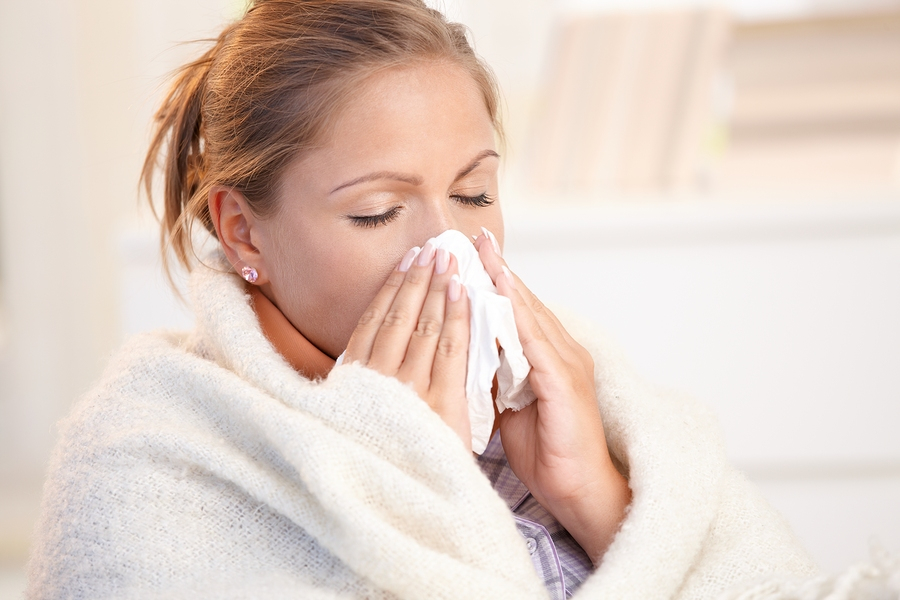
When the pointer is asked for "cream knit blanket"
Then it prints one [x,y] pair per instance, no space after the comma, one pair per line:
[203,466]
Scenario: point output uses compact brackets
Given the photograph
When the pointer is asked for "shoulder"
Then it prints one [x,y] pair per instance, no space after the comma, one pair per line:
[143,381]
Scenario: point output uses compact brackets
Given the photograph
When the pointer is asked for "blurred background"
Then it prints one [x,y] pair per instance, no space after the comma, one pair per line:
[717,184]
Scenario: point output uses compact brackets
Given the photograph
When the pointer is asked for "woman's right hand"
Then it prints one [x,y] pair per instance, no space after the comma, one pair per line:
[417,330]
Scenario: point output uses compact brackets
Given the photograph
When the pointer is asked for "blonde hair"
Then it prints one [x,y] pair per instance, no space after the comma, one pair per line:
[266,90]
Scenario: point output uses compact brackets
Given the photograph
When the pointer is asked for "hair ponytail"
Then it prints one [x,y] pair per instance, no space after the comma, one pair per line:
[266,91]
[178,143]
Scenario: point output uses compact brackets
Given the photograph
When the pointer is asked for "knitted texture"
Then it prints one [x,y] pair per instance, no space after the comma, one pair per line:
[878,579]
[203,466]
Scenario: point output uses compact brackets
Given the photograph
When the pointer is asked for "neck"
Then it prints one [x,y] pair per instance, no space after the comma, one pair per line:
[298,351]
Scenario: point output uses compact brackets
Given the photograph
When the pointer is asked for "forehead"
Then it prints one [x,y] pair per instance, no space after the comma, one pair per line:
[430,86]
[417,117]
[421,103]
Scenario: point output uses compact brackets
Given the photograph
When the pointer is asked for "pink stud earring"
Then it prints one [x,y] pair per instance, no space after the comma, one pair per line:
[250,274]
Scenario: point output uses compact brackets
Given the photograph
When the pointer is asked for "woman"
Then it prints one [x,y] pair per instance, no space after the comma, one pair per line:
[322,142]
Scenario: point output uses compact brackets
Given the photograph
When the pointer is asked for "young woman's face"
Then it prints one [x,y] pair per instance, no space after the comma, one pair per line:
[412,155]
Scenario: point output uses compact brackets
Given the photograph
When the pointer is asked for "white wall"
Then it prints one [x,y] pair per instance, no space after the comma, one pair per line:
[56,269]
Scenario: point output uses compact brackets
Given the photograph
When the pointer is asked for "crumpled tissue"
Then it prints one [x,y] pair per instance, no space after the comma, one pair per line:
[491,320]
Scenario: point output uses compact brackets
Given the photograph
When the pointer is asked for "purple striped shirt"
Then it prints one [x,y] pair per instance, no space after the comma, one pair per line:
[556,556]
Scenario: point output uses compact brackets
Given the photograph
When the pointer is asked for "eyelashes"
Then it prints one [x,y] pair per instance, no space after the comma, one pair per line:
[367,221]
[480,200]
[376,220]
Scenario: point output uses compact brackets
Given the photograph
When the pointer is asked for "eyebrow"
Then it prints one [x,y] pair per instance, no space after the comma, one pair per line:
[415,179]
[474,164]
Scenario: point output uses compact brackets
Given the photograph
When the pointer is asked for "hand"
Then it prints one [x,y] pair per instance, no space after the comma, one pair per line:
[556,445]
[417,330]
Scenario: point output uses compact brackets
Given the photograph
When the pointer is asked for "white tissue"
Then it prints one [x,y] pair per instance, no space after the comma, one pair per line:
[491,320]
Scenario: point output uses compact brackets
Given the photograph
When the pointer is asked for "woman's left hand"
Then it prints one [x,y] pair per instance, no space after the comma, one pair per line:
[556,445]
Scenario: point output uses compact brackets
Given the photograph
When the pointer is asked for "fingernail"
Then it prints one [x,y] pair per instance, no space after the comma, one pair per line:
[474,237]
[443,261]
[491,237]
[509,277]
[408,259]
[426,254]
[454,290]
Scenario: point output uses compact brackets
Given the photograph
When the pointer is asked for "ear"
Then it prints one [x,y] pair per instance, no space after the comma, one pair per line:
[235,227]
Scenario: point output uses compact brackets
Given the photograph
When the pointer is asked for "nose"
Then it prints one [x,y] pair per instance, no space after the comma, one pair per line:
[439,216]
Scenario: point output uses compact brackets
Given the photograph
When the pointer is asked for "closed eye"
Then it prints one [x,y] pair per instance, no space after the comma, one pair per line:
[480,200]
[375,220]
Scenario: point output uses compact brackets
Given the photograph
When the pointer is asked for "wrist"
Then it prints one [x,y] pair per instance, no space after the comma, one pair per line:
[593,515]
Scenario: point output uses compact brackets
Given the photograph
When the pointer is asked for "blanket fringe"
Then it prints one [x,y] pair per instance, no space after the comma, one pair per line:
[878,579]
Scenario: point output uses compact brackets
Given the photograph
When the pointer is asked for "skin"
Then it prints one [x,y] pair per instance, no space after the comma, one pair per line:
[412,155]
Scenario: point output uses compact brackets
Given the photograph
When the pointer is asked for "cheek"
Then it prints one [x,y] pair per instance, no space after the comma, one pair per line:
[324,288]
[496,226]
[355,280]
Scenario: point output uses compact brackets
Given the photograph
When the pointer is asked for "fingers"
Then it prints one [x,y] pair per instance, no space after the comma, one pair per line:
[359,348]
[539,323]
[417,330]
[423,343]
[402,317]
[446,396]
[400,330]
[542,351]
